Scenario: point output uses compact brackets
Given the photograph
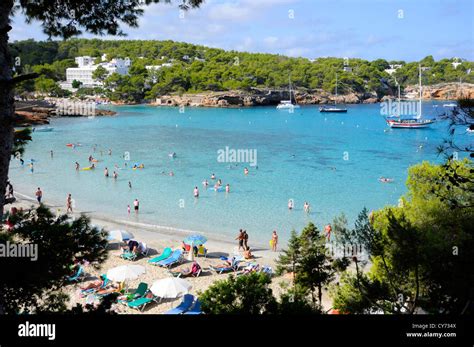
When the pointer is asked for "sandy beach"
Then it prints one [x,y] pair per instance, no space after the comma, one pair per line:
[156,241]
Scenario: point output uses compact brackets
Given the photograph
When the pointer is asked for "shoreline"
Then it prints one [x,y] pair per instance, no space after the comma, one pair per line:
[149,232]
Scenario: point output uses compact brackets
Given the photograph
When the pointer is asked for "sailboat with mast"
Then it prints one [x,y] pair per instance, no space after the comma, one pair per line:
[416,122]
[333,108]
[288,104]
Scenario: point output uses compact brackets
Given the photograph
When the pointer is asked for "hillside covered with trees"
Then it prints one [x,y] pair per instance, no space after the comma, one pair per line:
[198,69]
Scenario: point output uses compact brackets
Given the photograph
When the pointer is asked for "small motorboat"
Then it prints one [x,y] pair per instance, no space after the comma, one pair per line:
[43,129]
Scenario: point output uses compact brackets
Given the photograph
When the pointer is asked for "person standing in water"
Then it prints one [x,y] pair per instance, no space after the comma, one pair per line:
[227,188]
[52,154]
[136,205]
[306,207]
[32,167]
[106,172]
[115,175]
[196,192]
[129,184]
[290,204]
[128,209]
[274,241]
[39,195]
[77,166]
[246,171]
[213,177]
[69,204]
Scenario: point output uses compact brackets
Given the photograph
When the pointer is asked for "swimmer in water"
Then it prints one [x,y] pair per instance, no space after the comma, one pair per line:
[290,204]
[227,188]
[205,183]
[106,172]
[171,173]
[246,171]
[213,177]
[110,152]
[385,180]
[92,166]
[196,192]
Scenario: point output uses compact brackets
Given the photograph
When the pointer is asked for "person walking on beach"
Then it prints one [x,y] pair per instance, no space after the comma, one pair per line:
[136,205]
[69,203]
[274,241]
[39,195]
[196,192]
[240,238]
[246,239]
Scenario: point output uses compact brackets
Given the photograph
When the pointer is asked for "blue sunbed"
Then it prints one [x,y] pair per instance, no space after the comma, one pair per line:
[196,309]
[173,259]
[185,305]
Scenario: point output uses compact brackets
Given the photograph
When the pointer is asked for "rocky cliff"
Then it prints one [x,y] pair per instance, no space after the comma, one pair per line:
[266,97]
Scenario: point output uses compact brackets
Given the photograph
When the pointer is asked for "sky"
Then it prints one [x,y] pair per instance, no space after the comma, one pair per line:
[369,29]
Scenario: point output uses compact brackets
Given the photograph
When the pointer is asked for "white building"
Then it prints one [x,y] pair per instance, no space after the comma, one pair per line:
[393,68]
[86,67]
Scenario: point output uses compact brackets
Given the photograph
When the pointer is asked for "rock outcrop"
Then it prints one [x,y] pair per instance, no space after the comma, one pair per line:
[38,112]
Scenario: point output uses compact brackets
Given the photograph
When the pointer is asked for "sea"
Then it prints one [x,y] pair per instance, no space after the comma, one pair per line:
[333,161]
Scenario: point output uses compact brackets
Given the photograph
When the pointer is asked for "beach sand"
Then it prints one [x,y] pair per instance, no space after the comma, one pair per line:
[156,241]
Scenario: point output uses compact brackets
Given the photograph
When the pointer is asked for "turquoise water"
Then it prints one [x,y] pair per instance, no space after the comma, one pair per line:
[300,156]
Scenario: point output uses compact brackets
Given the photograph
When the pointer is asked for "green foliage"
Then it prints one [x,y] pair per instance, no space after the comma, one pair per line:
[246,294]
[100,74]
[35,286]
[230,70]
[307,260]
[422,252]
[76,84]
[20,139]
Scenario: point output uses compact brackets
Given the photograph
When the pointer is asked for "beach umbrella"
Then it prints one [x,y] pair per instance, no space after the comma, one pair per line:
[119,235]
[125,272]
[170,288]
[195,240]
